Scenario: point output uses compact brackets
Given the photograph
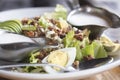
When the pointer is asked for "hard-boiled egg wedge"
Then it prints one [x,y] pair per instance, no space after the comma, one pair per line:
[62,57]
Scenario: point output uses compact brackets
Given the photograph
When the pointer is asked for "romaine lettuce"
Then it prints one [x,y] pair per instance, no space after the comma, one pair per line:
[60,12]
[88,50]
[44,22]
[94,49]
[33,56]
[70,41]
[99,51]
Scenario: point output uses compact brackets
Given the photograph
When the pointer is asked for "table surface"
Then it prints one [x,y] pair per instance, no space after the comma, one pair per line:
[113,74]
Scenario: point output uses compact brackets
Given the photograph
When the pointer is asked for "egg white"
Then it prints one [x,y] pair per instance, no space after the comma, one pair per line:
[71,58]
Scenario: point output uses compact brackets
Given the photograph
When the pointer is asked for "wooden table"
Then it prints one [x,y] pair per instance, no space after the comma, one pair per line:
[113,74]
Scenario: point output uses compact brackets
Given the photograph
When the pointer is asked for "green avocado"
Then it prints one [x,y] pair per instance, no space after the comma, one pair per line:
[15,25]
[7,28]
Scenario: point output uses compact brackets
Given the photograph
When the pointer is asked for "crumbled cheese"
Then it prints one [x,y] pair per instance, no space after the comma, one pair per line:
[49,33]
[75,29]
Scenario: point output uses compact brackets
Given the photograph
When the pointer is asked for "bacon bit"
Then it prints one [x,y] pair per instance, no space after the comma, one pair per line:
[40,32]
[62,36]
[89,57]
[51,42]
[32,22]
[57,31]
[50,28]
[76,64]
[42,55]
[37,18]
[53,35]
[77,31]
[116,41]
[53,21]
[24,21]
[81,47]
[78,37]
[29,33]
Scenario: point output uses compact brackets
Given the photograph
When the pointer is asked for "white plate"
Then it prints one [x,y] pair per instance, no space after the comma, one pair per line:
[23,13]
[31,12]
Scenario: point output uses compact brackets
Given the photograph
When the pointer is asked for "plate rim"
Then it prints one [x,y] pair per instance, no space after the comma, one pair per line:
[81,74]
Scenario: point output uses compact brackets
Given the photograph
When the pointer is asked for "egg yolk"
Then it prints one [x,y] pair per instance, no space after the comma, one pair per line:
[58,57]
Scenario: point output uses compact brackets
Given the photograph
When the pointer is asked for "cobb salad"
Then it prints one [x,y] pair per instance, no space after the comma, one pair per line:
[74,45]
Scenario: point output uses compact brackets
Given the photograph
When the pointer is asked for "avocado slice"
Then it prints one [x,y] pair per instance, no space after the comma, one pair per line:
[6,28]
[14,24]
[13,27]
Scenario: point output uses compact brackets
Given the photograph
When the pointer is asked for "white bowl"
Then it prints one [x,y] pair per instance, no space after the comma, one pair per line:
[31,12]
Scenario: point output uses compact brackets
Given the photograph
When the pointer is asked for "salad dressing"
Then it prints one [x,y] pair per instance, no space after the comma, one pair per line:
[87,19]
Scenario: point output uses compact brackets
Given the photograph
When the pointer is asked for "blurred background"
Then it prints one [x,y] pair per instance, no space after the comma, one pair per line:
[112,5]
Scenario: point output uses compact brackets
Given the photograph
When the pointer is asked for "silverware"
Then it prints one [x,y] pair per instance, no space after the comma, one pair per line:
[95,62]
[15,47]
[82,65]
[95,30]
[62,69]
[112,20]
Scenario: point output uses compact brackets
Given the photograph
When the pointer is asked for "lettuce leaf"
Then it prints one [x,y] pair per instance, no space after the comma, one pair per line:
[44,22]
[67,41]
[95,50]
[88,50]
[76,44]
[70,41]
[60,12]
[62,24]
[85,42]
[33,58]
[99,51]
